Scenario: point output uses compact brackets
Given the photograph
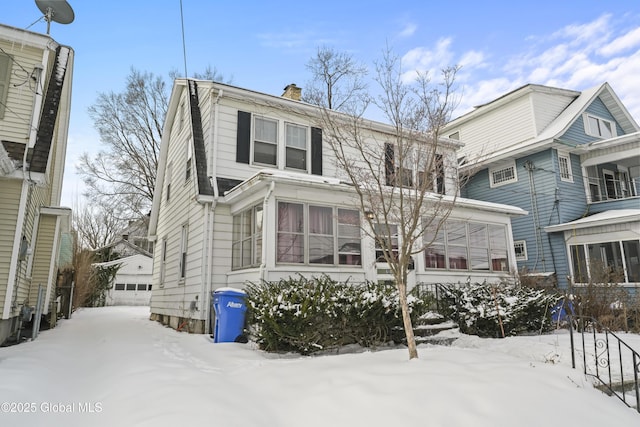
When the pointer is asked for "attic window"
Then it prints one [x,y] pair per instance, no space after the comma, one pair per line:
[597,126]
[455,135]
[503,175]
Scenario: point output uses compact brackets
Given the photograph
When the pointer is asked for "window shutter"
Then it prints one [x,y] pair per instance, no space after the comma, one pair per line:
[388,163]
[316,151]
[440,174]
[243,142]
[5,76]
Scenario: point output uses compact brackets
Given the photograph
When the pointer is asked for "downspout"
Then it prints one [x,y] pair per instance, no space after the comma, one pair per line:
[265,205]
[213,137]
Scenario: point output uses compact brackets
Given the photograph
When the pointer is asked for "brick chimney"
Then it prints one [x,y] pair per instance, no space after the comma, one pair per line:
[292,92]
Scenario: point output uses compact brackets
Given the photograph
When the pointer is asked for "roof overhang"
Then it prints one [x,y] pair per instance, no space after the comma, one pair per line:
[603,218]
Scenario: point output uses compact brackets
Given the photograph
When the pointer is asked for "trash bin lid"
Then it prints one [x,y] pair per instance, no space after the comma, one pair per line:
[230,291]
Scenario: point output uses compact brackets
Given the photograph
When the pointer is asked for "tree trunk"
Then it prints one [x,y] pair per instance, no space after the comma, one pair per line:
[406,320]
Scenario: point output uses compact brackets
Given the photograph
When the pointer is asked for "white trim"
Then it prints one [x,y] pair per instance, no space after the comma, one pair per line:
[17,239]
[563,155]
[524,257]
[500,168]
[596,132]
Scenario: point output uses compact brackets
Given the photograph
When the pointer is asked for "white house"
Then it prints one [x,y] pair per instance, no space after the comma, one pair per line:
[36,74]
[132,283]
[247,191]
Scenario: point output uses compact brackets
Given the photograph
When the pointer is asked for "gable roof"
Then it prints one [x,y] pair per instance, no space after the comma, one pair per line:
[551,134]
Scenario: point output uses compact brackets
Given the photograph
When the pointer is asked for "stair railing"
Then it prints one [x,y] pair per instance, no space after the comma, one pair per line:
[607,358]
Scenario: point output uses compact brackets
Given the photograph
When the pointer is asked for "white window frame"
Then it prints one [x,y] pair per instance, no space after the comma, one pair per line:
[189,162]
[493,171]
[336,236]
[589,128]
[255,140]
[566,174]
[523,253]
[287,147]
[163,261]
[184,236]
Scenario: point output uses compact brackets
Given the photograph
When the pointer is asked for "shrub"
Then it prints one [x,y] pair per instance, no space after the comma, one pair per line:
[497,311]
[309,315]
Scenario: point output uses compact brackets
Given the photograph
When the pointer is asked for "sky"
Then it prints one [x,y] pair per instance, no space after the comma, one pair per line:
[264,46]
[112,366]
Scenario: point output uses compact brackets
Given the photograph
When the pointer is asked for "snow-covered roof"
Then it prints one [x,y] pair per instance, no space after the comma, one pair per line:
[554,131]
[335,183]
[602,218]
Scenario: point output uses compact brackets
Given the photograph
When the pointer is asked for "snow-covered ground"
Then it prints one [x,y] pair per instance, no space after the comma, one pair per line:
[113,367]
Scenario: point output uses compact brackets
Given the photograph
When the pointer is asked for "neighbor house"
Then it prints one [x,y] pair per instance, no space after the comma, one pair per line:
[248,190]
[572,160]
[132,282]
[35,95]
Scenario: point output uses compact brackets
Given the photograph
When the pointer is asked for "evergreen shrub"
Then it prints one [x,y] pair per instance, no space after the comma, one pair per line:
[318,314]
[486,310]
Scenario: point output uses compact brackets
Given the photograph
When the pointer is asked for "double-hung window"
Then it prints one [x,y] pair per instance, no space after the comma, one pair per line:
[386,237]
[296,146]
[183,251]
[247,238]
[265,147]
[564,163]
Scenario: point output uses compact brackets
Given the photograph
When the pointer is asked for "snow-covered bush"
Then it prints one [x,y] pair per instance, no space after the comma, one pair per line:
[308,315]
[495,311]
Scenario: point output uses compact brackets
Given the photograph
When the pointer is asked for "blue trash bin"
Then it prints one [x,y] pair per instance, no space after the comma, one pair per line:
[229,306]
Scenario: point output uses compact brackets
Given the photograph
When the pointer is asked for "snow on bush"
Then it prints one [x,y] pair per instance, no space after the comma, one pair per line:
[308,315]
[488,310]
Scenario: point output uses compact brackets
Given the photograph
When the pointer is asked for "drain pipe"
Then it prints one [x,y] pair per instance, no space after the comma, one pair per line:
[213,138]
[265,205]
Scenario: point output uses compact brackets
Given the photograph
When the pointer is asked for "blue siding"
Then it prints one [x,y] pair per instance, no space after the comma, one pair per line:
[572,200]
[546,198]
[576,132]
[631,203]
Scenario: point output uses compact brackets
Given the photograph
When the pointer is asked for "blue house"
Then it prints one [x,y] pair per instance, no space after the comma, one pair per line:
[572,160]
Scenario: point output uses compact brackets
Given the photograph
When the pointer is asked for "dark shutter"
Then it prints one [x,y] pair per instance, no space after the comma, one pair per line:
[388,163]
[440,174]
[243,142]
[316,151]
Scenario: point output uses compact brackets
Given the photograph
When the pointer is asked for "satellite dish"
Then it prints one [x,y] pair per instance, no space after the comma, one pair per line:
[57,11]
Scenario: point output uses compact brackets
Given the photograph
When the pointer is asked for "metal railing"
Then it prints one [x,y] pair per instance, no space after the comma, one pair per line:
[601,190]
[608,359]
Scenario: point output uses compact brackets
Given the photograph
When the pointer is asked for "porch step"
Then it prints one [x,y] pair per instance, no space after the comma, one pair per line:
[429,328]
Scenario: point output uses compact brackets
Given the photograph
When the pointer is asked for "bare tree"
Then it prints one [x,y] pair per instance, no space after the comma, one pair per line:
[130,126]
[96,225]
[337,81]
[400,178]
